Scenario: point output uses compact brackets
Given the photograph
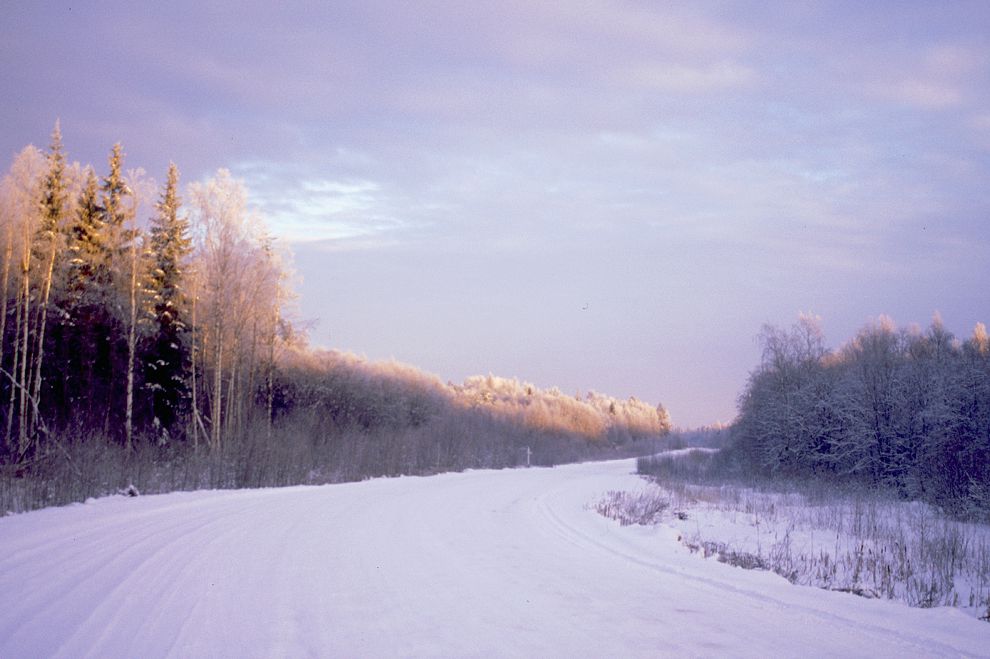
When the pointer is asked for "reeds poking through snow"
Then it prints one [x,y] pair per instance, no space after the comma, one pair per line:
[862,542]
[643,508]
[308,447]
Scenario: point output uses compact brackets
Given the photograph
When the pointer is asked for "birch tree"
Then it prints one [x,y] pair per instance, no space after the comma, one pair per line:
[48,243]
[223,230]
[242,286]
[21,192]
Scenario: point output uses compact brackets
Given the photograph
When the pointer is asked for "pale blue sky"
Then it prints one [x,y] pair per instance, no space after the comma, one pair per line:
[594,195]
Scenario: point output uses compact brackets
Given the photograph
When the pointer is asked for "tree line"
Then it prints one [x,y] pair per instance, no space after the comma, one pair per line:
[144,341]
[346,391]
[165,327]
[899,408]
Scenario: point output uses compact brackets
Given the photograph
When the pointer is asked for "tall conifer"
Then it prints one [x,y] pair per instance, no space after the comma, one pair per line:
[168,357]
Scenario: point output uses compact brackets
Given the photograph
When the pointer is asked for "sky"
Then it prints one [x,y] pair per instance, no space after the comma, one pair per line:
[608,196]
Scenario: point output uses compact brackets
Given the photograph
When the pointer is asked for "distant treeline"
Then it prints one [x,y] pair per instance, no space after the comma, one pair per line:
[341,391]
[900,408]
[715,436]
[158,350]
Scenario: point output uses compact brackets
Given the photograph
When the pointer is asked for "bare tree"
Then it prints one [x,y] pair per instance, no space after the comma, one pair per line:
[21,192]
[242,282]
[53,208]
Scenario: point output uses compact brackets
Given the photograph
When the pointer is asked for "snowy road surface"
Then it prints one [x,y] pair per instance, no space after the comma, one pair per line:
[496,563]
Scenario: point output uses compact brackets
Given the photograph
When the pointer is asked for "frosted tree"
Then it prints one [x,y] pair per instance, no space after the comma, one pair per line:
[241,288]
[134,293]
[99,281]
[21,192]
[48,245]
[85,316]
[86,245]
[117,211]
[167,358]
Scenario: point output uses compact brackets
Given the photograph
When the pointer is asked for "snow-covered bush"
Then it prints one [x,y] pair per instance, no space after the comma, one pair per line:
[903,409]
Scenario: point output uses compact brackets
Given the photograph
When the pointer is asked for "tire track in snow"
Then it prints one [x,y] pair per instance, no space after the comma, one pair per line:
[510,563]
[81,562]
[579,537]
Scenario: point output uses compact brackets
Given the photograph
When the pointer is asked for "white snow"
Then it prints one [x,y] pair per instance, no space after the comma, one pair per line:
[879,547]
[506,563]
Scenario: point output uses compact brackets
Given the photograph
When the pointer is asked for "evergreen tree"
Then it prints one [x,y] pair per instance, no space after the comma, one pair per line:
[54,195]
[95,346]
[114,215]
[167,358]
[114,191]
[87,268]
[83,319]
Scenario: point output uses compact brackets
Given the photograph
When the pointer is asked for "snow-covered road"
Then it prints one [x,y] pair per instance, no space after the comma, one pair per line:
[497,563]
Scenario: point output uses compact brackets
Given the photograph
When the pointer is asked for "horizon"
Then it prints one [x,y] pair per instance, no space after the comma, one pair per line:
[606,196]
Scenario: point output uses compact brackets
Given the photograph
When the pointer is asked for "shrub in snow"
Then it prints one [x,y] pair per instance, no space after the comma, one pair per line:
[129,491]
[852,542]
[644,508]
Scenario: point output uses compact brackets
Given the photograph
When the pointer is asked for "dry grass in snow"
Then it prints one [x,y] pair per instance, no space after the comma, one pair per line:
[859,544]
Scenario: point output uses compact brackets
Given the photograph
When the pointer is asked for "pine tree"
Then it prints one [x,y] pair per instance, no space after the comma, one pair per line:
[85,318]
[168,357]
[114,190]
[98,277]
[113,214]
[87,267]
[53,199]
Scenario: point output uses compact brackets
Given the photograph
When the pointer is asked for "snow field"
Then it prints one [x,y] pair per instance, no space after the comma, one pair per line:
[865,545]
[506,563]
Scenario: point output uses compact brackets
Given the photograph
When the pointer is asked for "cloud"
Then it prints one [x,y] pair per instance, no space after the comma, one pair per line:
[688,79]
[299,207]
[937,78]
[682,30]
[814,148]
[927,94]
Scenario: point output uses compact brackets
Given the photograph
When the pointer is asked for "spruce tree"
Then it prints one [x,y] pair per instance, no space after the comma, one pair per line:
[114,215]
[53,199]
[167,358]
[95,308]
[114,190]
[86,267]
[84,319]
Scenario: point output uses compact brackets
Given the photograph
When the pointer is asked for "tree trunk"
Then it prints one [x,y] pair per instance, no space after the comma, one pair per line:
[46,293]
[131,346]
[25,347]
[192,354]
[217,389]
[8,253]
[231,414]
[16,364]
[270,377]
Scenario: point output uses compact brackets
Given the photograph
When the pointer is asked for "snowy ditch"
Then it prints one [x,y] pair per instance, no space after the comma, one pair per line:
[894,550]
